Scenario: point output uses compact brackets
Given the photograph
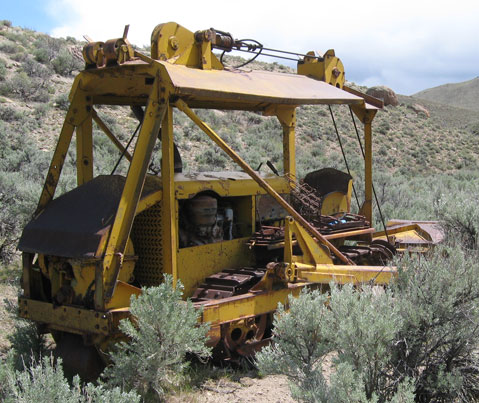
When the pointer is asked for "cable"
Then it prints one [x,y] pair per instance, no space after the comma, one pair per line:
[258,48]
[251,49]
[344,155]
[374,190]
[128,145]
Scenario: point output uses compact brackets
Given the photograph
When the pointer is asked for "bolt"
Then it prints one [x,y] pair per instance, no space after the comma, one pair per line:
[173,41]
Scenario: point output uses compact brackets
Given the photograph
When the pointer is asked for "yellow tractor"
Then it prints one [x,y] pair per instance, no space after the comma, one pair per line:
[240,242]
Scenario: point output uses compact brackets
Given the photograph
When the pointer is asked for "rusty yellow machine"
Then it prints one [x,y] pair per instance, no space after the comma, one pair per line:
[240,242]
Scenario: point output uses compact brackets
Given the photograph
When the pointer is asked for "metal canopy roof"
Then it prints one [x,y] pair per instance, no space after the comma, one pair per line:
[252,89]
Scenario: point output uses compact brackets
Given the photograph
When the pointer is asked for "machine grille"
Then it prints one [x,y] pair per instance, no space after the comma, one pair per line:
[146,237]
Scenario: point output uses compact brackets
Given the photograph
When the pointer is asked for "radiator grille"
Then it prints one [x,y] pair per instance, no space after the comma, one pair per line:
[146,237]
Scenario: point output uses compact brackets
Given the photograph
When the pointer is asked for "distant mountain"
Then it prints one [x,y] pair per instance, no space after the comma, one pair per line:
[462,95]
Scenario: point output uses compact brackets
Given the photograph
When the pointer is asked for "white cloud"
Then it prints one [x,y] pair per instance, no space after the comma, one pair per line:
[404,44]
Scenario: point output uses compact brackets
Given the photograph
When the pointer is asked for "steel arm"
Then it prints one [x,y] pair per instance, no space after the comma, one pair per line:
[78,112]
[366,116]
[155,111]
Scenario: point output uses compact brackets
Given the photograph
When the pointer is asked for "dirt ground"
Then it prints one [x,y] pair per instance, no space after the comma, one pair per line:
[271,389]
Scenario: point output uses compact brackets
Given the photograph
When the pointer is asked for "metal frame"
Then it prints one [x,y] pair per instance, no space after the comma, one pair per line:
[156,84]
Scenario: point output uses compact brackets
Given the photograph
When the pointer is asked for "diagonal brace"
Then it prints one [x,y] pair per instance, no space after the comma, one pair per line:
[182,106]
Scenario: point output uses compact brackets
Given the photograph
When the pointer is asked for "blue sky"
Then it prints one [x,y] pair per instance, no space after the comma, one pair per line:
[28,14]
[408,45]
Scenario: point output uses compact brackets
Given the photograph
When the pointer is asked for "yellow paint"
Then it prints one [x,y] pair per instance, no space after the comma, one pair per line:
[247,305]
[172,42]
[197,262]
[336,202]
[66,318]
[330,69]
[169,206]
[325,273]
[84,143]
[313,252]
[135,179]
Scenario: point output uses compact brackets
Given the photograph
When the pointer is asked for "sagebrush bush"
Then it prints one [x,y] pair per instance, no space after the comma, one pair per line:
[26,342]
[34,69]
[62,102]
[25,87]
[300,345]
[46,48]
[9,114]
[164,331]
[437,344]
[3,69]
[362,326]
[65,63]
[459,212]
[9,47]
[356,328]
[416,340]
[44,382]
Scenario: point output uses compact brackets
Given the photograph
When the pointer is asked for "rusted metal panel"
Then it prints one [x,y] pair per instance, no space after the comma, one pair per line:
[73,224]
[253,86]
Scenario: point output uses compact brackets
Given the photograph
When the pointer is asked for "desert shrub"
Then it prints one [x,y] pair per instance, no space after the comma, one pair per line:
[165,329]
[9,114]
[474,128]
[212,159]
[25,87]
[361,328]
[9,47]
[65,63]
[417,340]
[438,301]
[34,69]
[44,382]
[46,48]
[459,212]
[41,110]
[19,56]
[357,329]
[18,197]
[6,23]
[62,102]
[26,342]
[300,345]
[3,69]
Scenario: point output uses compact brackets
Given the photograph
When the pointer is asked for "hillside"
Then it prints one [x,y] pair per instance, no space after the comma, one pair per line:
[462,95]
